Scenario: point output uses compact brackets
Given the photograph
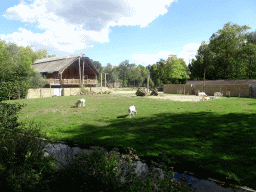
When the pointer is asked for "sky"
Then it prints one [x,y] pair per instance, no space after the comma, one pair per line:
[111,31]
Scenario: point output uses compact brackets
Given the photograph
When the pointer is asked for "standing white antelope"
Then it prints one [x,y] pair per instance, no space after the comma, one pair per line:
[79,102]
[132,110]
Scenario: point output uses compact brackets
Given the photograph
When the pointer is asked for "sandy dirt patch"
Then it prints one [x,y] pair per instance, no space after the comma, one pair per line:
[178,98]
[123,92]
[182,98]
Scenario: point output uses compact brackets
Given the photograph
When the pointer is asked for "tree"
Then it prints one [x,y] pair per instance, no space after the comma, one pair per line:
[41,54]
[23,73]
[134,76]
[6,70]
[195,69]
[226,44]
[123,66]
[6,67]
[160,72]
[130,75]
[221,58]
[13,52]
[251,37]
[123,71]
[248,54]
[98,66]
[176,70]
[115,73]
[204,62]
[154,74]
[151,83]
[108,69]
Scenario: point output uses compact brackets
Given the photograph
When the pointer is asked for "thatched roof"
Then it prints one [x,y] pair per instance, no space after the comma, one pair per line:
[60,63]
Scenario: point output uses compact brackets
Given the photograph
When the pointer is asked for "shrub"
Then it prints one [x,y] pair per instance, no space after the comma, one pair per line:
[38,81]
[83,90]
[22,162]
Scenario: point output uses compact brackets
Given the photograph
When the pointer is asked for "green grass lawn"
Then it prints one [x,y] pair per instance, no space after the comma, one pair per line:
[214,138]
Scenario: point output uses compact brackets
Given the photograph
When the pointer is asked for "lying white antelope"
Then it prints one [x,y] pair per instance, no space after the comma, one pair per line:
[218,94]
[79,102]
[206,98]
[132,110]
[202,94]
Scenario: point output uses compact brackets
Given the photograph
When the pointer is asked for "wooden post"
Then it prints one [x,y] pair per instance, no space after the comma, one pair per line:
[79,72]
[148,81]
[204,80]
[83,73]
[105,80]
[250,91]
[101,82]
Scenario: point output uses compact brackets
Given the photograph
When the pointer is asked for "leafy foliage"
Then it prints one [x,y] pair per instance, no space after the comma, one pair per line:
[16,72]
[229,55]
[38,81]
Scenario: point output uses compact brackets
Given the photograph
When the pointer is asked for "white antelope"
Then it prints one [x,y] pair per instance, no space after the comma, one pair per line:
[218,94]
[79,102]
[202,94]
[132,110]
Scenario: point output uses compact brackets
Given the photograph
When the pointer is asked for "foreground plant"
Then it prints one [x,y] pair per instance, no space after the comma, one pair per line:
[22,162]
[101,168]
[25,167]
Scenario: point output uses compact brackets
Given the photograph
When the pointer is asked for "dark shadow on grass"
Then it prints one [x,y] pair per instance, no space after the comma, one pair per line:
[201,143]
[76,107]
[122,116]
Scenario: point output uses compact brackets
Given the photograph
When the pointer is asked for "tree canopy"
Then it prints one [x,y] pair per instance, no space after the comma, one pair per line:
[16,72]
[230,54]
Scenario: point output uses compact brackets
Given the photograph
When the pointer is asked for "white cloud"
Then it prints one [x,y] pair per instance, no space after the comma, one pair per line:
[189,51]
[146,59]
[72,25]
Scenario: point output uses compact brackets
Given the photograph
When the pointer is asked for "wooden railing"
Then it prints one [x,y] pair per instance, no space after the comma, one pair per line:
[71,81]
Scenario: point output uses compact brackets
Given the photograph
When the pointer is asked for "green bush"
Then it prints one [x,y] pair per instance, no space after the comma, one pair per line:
[22,162]
[83,90]
[38,81]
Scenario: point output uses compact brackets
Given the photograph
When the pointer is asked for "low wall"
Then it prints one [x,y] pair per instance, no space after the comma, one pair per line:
[49,92]
[76,91]
[40,92]
[178,89]
[236,90]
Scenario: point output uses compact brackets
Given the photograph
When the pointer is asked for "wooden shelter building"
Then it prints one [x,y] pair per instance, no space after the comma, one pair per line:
[67,71]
